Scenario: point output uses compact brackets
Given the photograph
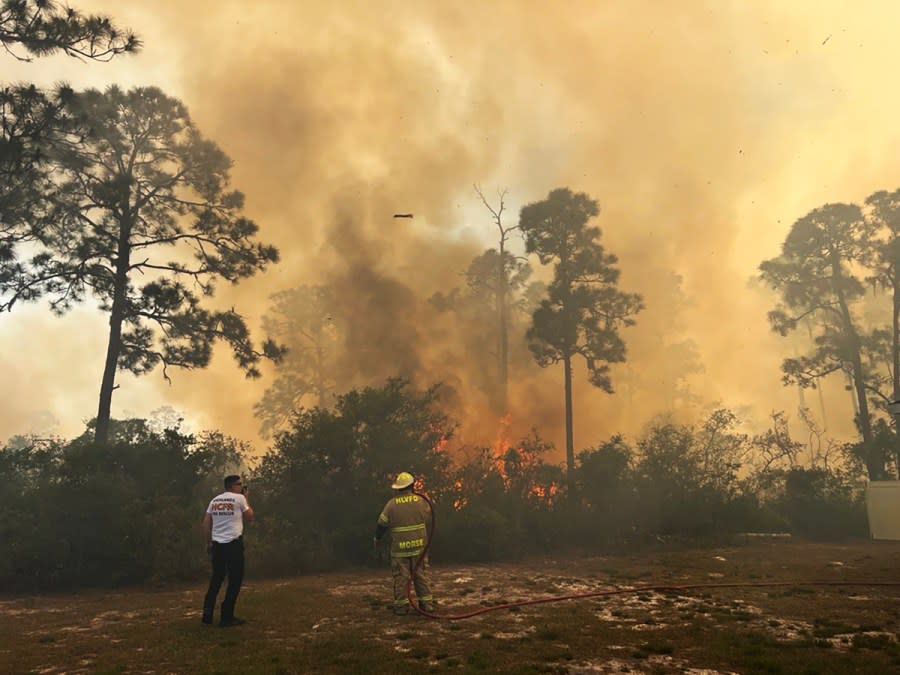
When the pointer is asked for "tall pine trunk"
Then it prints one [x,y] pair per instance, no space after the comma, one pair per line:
[895,354]
[503,350]
[874,467]
[895,341]
[114,346]
[570,443]
[320,371]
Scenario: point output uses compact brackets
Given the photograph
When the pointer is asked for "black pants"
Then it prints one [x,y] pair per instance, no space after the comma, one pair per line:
[227,561]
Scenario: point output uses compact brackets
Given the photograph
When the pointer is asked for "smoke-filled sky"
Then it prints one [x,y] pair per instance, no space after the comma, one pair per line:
[704,129]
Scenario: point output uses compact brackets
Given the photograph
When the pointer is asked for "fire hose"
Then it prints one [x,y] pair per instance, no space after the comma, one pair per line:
[607,591]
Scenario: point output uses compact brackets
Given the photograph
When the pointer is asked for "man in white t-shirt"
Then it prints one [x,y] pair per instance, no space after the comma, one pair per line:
[223,526]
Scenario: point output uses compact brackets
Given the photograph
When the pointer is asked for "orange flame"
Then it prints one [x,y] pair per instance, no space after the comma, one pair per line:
[501,446]
[546,493]
[443,441]
[459,501]
[512,462]
[502,455]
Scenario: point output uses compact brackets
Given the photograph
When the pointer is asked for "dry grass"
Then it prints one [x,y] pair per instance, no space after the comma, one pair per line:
[341,623]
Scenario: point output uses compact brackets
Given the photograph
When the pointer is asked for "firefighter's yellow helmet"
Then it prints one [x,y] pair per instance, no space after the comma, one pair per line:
[403,480]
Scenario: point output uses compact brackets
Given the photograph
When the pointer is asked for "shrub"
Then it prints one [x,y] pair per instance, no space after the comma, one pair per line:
[822,504]
[82,514]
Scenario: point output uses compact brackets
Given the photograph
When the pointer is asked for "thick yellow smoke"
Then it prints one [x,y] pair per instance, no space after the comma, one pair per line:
[702,128]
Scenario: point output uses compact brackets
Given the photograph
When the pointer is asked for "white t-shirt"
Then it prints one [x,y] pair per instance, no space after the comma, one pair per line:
[227,511]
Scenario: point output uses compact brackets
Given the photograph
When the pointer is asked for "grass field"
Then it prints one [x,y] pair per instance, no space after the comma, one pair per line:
[341,622]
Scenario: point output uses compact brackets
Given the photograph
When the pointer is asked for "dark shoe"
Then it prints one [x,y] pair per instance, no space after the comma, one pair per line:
[401,611]
[207,618]
[426,606]
[234,621]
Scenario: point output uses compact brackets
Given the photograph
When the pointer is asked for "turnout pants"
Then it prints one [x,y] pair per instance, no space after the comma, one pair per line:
[402,570]
[227,561]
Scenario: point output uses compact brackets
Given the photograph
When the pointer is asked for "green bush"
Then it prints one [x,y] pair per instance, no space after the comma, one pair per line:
[476,533]
[822,504]
[81,514]
[321,487]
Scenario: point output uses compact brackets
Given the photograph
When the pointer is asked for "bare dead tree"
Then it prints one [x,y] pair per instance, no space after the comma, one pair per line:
[502,296]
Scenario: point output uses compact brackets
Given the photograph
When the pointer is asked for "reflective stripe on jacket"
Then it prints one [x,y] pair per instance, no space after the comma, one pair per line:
[406,516]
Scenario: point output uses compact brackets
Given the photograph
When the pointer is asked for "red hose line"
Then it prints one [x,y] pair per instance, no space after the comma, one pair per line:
[639,589]
[608,591]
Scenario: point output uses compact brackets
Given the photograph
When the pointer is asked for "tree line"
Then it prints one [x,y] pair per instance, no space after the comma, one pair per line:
[116,196]
[836,281]
[81,513]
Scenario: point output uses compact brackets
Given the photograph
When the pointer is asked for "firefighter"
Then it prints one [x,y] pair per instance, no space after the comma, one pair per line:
[406,515]
[223,525]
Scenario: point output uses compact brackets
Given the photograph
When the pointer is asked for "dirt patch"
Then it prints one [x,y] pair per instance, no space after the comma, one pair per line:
[335,623]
